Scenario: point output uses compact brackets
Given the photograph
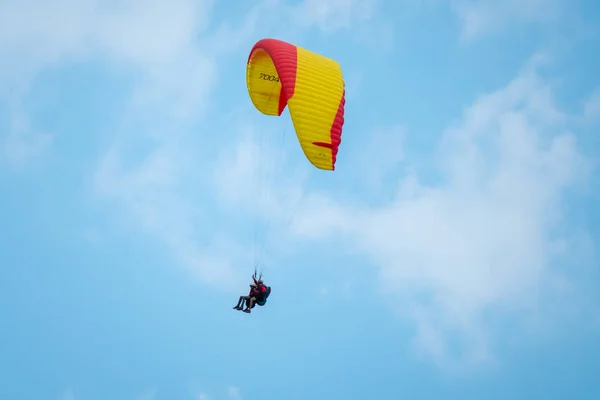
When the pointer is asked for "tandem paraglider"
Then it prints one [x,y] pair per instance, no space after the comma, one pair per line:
[258,295]
[281,75]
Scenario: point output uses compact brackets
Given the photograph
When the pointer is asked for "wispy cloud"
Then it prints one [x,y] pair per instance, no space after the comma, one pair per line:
[331,15]
[154,43]
[591,108]
[39,34]
[155,196]
[68,395]
[149,394]
[485,240]
[23,145]
[234,393]
[173,72]
[482,17]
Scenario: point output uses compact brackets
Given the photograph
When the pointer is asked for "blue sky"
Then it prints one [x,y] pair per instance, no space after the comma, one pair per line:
[451,255]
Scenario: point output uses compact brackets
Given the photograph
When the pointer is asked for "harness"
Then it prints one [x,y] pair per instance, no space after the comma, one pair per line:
[263,299]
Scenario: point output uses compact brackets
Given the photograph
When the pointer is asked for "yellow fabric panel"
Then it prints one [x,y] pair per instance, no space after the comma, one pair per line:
[318,91]
[263,93]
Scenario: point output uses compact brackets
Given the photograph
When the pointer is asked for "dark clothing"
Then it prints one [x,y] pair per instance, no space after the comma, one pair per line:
[243,302]
[258,295]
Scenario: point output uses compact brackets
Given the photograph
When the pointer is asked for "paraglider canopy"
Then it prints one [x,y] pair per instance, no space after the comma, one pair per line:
[280,74]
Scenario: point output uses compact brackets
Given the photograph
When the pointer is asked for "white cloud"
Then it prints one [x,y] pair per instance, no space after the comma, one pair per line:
[360,20]
[591,108]
[123,29]
[332,15]
[484,241]
[154,37]
[234,393]
[481,17]
[149,394]
[247,172]
[68,395]
[165,49]
[155,195]
[147,36]
[23,145]
[153,42]
[381,156]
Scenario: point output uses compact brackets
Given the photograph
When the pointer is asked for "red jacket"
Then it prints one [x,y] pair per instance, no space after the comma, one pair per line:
[262,289]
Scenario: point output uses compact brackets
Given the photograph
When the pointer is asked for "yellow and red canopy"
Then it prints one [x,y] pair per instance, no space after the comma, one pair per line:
[280,74]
